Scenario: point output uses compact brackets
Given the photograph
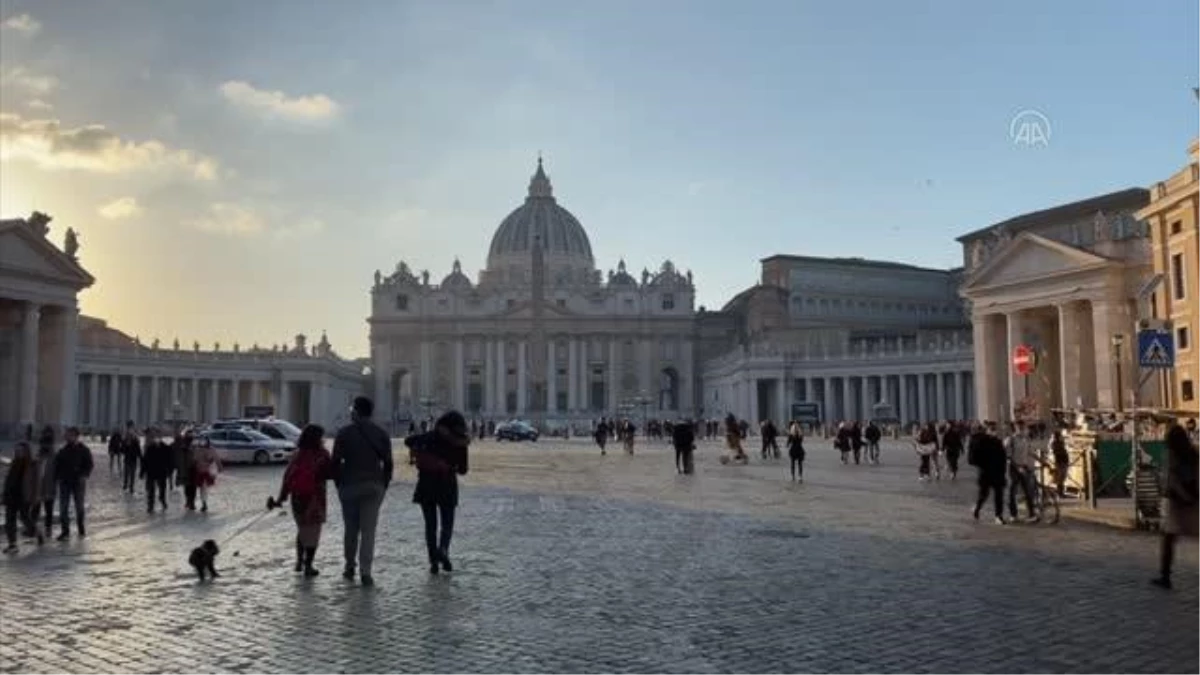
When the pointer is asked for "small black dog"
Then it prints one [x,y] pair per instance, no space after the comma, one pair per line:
[203,558]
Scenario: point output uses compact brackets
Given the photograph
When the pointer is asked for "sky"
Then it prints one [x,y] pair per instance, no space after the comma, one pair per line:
[237,171]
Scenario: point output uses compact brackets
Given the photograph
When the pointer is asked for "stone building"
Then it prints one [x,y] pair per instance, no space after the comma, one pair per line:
[1064,282]
[59,368]
[862,338]
[1175,254]
[542,334]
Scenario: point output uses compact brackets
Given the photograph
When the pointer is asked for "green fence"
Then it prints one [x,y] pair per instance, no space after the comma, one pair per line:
[1112,464]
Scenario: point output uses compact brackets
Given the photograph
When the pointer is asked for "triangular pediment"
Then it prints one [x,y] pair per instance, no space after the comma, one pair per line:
[1029,258]
[28,254]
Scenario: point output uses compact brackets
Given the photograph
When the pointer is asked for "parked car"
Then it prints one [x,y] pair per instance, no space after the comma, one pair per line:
[247,446]
[516,430]
[280,430]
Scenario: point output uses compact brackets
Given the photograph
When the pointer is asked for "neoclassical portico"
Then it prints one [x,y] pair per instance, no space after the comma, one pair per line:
[38,318]
[1075,306]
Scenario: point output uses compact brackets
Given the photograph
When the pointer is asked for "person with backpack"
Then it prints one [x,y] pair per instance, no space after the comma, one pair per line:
[873,434]
[157,464]
[927,447]
[441,455]
[795,443]
[362,471]
[1182,499]
[683,437]
[304,483]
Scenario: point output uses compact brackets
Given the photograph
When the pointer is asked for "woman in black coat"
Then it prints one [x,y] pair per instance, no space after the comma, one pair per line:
[440,456]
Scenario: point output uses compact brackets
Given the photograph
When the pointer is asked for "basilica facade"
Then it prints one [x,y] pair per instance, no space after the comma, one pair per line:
[541,334]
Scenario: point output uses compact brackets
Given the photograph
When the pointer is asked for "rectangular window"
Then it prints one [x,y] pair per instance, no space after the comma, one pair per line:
[402,303]
[1183,339]
[1187,390]
[629,303]
[1154,305]
[1178,276]
[668,301]
[561,302]
[1177,227]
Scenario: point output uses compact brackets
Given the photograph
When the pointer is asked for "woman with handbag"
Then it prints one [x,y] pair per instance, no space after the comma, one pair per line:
[441,456]
[207,466]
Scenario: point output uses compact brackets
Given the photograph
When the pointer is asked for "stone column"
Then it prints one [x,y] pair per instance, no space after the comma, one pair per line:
[752,415]
[318,408]
[235,401]
[30,320]
[902,410]
[489,379]
[847,398]
[687,376]
[155,411]
[827,404]
[864,397]
[381,366]
[501,380]
[135,410]
[611,389]
[68,405]
[573,376]
[213,385]
[645,380]
[1016,384]
[1069,350]
[194,400]
[522,377]
[460,381]
[1109,318]
[551,378]
[940,391]
[426,380]
[810,390]
[985,394]
[93,418]
[960,405]
[114,400]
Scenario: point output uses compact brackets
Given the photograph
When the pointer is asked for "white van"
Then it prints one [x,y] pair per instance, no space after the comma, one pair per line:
[281,430]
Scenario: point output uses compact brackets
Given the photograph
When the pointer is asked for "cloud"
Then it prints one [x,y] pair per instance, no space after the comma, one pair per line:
[278,105]
[229,219]
[39,104]
[22,23]
[20,77]
[118,209]
[304,227]
[93,148]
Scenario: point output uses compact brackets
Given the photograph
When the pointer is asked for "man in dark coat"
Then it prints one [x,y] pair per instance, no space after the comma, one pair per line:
[986,452]
[683,437]
[362,469]
[131,450]
[158,461]
[72,467]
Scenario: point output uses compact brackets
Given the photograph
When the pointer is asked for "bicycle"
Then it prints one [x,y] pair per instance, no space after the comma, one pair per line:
[1045,497]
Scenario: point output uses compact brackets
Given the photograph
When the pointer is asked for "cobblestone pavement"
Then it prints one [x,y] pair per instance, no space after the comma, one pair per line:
[568,561]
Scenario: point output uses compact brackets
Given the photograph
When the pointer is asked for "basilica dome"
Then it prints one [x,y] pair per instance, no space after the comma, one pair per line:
[540,219]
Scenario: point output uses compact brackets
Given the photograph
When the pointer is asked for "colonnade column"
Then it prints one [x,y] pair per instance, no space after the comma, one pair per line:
[573,376]
[93,417]
[847,398]
[551,378]
[687,390]
[194,400]
[68,401]
[213,385]
[114,408]
[864,397]
[27,395]
[985,397]
[1069,351]
[235,400]
[902,398]
[134,409]
[522,377]
[940,391]
[155,403]
[1016,388]
[960,397]
[827,404]
[611,389]
[460,383]
[501,379]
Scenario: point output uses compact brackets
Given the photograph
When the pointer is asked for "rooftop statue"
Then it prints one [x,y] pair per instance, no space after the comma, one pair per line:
[71,244]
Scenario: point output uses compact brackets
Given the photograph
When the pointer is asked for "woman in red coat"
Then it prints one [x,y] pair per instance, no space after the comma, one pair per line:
[304,482]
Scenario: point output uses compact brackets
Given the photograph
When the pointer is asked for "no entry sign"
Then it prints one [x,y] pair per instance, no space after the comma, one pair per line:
[1024,360]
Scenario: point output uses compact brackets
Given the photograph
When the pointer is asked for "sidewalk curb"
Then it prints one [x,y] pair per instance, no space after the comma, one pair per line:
[1101,518]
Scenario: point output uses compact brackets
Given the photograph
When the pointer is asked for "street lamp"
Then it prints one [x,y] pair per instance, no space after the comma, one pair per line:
[1118,340]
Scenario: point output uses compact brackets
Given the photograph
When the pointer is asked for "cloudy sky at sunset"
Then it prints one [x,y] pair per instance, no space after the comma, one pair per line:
[238,170]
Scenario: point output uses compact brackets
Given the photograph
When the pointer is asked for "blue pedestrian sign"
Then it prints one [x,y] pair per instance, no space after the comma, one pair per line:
[1156,349]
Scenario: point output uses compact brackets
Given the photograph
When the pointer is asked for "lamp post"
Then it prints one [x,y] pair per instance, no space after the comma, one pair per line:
[1118,340]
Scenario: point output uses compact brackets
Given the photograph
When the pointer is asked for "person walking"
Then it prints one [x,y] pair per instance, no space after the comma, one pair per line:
[47,487]
[952,445]
[795,443]
[131,453]
[72,467]
[304,483]
[683,437]
[601,435]
[184,454]
[770,435]
[18,494]
[1062,461]
[733,438]
[157,463]
[205,468]
[362,470]
[926,449]
[1020,468]
[115,452]
[1182,499]
[841,441]
[986,452]
[872,434]
[441,457]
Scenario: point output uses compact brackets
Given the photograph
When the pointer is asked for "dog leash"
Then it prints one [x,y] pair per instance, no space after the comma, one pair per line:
[238,532]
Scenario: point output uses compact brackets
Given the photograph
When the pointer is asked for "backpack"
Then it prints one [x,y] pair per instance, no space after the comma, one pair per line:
[926,437]
[302,479]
